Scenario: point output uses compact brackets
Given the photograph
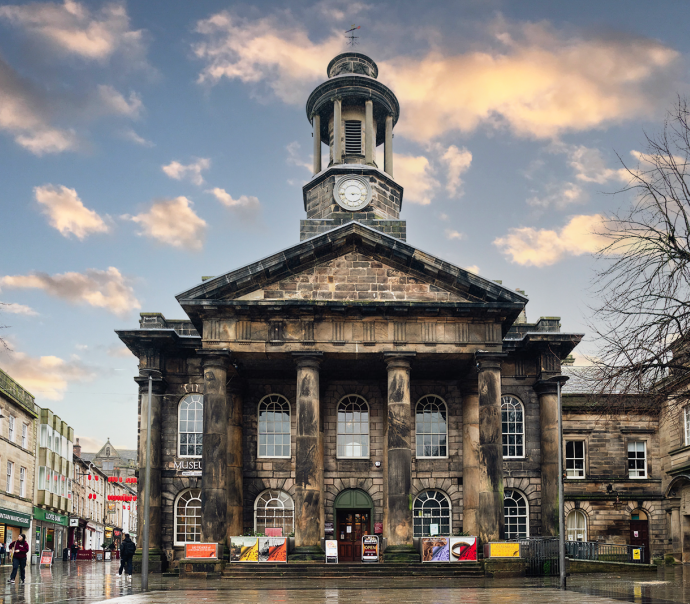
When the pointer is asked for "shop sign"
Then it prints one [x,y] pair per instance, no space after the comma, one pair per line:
[370,548]
[201,550]
[463,549]
[501,550]
[637,554]
[328,528]
[378,528]
[331,551]
[117,533]
[74,521]
[41,514]
[14,518]
[184,467]
[435,549]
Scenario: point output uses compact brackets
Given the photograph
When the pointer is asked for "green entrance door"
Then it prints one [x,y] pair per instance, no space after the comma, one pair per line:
[353,515]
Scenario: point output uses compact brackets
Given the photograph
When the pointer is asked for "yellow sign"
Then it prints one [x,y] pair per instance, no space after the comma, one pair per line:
[504,550]
[637,554]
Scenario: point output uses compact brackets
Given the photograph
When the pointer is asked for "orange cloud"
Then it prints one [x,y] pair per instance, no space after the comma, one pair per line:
[67,213]
[173,222]
[415,174]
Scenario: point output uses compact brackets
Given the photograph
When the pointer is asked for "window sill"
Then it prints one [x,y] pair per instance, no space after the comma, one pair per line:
[353,458]
[424,458]
[274,457]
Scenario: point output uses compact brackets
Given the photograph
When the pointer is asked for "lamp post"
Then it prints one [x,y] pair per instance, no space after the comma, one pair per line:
[147,498]
[560,380]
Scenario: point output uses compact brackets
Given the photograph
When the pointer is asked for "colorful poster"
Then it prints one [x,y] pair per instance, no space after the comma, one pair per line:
[463,549]
[435,549]
[244,549]
[378,528]
[370,548]
[272,549]
[201,550]
[501,550]
[274,532]
[331,551]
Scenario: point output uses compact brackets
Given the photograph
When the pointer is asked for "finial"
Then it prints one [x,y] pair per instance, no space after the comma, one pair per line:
[352,39]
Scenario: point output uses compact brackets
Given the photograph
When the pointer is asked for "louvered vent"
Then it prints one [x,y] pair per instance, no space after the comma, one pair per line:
[353,137]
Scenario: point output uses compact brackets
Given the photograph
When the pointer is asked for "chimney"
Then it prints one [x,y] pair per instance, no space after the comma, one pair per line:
[76,449]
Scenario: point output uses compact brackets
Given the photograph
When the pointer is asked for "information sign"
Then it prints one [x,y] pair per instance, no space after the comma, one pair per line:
[501,550]
[378,528]
[47,557]
[108,554]
[200,550]
[370,548]
[331,551]
[328,528]
[637,554]
[433,529]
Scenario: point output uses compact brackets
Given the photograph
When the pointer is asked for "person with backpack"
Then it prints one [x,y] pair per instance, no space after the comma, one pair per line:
[21,549]
[127,550]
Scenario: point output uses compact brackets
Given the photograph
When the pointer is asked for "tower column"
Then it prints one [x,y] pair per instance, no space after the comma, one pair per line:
[388,147]
[317,143]
[548,423]
[369,134]
[308,460]
[235,476]
[214,503]
[470,457]
[337,132]
[490,518]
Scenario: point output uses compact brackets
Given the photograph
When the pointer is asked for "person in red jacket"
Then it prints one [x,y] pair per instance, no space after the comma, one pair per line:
[21,549]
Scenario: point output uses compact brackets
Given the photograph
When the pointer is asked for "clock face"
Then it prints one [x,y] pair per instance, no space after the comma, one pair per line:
[352,193]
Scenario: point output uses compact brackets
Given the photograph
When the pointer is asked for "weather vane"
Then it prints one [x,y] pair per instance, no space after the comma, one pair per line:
[352,39]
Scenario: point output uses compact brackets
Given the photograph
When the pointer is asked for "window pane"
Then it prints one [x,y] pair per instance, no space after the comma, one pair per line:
[430,426]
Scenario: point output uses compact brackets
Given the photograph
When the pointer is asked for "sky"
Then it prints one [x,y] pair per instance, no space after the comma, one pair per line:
[145,144]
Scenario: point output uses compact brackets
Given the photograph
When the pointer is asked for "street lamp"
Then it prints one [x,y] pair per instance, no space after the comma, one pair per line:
[560,380]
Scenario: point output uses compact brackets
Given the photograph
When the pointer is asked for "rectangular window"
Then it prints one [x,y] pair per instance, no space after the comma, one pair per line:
[10,421]
[686,413]
[637,459]
[575,459]
[22,482]
[43,436]
[353,137]
[25,436]
[10,476]
[57,444]
[42,478]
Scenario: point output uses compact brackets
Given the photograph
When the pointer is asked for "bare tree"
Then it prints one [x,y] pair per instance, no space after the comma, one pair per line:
[642,313]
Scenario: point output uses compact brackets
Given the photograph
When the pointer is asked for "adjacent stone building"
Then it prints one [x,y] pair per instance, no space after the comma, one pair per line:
[355,384]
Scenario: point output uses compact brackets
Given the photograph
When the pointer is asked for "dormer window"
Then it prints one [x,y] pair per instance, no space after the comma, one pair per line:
[353,137]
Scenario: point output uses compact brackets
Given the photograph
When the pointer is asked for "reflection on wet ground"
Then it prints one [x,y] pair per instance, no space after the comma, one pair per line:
[86,582]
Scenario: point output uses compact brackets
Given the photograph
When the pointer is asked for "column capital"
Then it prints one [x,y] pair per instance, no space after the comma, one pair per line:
[215,358]
[307,359]
[545,387]
[398,359]
[489,360]
[159,382]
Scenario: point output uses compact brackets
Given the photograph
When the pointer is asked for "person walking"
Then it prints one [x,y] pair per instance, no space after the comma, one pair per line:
[20,548]
[127,550]
[3,553]
[74,551]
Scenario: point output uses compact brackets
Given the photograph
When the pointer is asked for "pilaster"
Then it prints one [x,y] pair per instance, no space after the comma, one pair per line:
[470,456]
[548,424]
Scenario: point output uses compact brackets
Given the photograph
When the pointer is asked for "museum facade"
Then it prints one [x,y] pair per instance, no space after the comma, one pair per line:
[353,384]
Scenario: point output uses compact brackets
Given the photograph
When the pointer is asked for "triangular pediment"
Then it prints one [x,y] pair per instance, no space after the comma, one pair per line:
[343,265]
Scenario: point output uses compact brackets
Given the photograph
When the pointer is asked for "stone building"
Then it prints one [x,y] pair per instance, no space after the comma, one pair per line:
[354,384]
[112,461]
[18,413]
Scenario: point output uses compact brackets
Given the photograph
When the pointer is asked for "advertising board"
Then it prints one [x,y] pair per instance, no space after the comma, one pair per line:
[370,548]
[435,549]
[501,550]
[47,557]
[201,550]
[463,549]
[331,551]
[244,549]
[273,549]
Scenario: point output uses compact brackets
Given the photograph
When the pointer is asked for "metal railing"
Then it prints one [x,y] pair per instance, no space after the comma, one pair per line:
[605,552]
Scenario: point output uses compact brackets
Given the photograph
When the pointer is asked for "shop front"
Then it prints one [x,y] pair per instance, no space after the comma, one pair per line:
[50,531]
[12,523]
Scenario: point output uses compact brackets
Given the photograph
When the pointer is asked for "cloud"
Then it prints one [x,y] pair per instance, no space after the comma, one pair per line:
[560,195]
[173,222]
[294,158]
[130,135]
[416,175]
[473,268]
[113,102]
[543,247]
[107,289]
[67,213]
[46,377]
[247,207]
[17,309]
[90,445]
[119,351]
[268,50]
[191,171]
[589,164]
[535,81]
[457,161]
[451,234]
[339,11]
[72,29]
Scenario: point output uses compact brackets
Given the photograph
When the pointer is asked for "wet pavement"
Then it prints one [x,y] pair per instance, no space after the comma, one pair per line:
[86,582]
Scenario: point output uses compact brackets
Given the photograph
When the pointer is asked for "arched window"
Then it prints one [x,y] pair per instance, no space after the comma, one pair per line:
[274,509]
[191,428]
[513,419]
[431,514]
[188,517]
[576,526]
[516,514]
[353,427]
[274,426]
[431,427]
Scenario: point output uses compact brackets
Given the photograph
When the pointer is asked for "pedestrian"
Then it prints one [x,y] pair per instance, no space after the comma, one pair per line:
[3,553]
[20,549]
[74,550]
[127,550]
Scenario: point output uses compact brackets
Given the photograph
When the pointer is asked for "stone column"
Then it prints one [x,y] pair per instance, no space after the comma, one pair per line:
[676,537]
[388,147]
[317,143]
[398,468]
[369,134]
[214,504]
[308,460]
[490,519]
[155,502]
[470,457]
[235,474]
[548,424]
[337,132]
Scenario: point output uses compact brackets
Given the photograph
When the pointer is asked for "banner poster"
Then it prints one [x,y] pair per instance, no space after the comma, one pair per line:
[244,549]
[435,549]
[370,548]
[331,551]
[200,550]
[272,549]
[463,549]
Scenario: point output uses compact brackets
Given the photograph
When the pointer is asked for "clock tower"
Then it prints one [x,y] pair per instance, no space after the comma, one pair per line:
[353,113]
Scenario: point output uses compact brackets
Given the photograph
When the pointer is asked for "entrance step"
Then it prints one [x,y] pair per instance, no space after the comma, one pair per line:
[297,570]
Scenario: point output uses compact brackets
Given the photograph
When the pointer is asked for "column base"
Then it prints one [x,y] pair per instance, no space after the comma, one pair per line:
[201,568]
[401,553]
[307,553]
[156,558]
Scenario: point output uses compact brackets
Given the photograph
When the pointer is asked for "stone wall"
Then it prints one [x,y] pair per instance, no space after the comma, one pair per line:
[312,228]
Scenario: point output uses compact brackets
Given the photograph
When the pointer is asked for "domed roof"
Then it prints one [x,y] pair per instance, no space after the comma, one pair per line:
[352,62]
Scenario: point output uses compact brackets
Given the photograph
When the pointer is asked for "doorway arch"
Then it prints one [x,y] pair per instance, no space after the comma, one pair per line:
[353,517]
[354,499]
